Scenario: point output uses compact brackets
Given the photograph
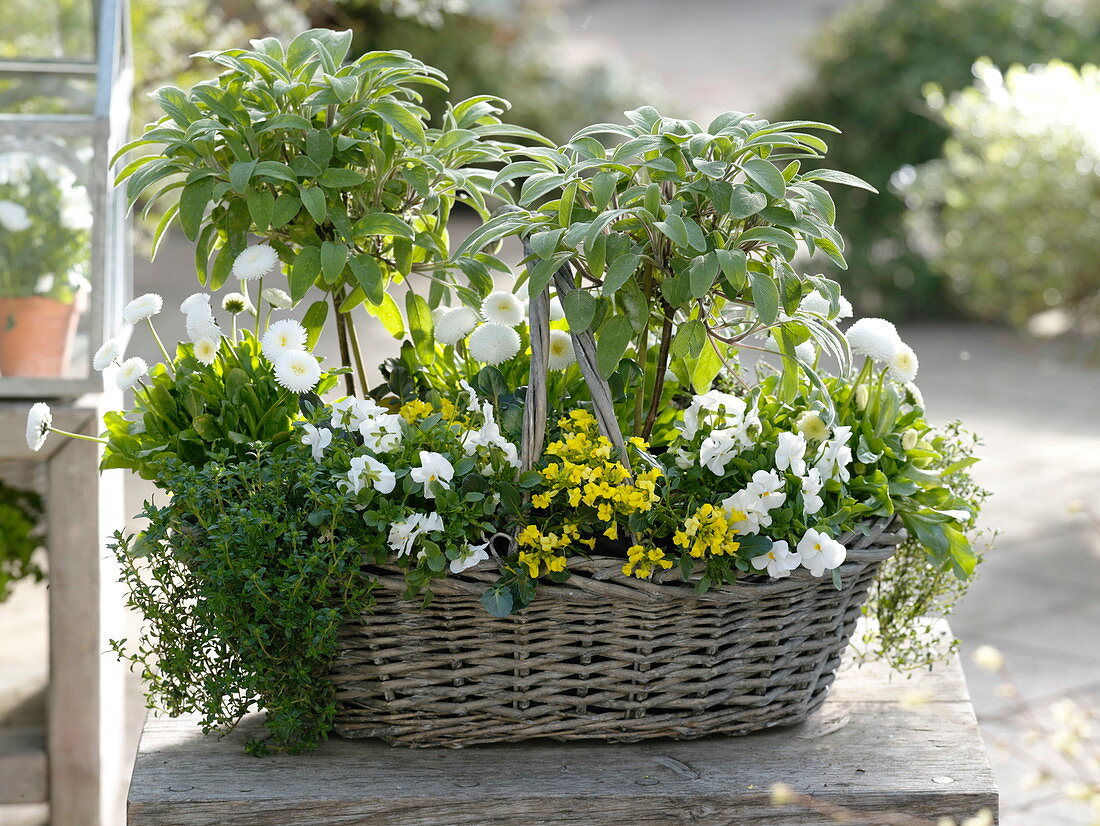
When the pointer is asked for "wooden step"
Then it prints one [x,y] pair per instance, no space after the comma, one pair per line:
[24,814]
[23,765]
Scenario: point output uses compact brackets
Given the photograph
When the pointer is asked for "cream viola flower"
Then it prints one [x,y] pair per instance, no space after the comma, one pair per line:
[130,372]
[874,337]
[434,468]
[281,336]
[725,405]
[746,512]
[39,422]
[561,353]
[366,469]
[819,552]
[812,483]
[493,343]
[196,303]
[142,307]
[206,350]
[717,450]
[255,262]
[903,364]
[835,456]
[778,562]
[767,487]
[106,355]
[316,439]
[14,217]
[382,432]
[279,299]
[502,307]
[351,412]
[813,427]
[790,453]
[474,555]
[454,325]
[297,370]
[489,436]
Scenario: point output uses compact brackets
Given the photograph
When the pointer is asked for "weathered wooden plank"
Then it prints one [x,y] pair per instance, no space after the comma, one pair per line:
[22,764]
[866,750]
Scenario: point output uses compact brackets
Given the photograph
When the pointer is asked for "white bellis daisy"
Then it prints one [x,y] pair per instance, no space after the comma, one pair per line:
[39,422]
[283,336]
[502,307]
[561,353]
[493,343]
[255,262]
[130,372]
[297,371]
[142,307]
[454,325]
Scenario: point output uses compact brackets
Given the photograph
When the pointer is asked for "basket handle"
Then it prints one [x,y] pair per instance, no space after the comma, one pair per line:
[584,345]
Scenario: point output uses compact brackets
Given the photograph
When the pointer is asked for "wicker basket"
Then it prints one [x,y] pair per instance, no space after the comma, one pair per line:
[601,656]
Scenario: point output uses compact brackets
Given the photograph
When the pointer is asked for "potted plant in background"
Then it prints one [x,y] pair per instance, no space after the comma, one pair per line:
[476,550]
[45,223]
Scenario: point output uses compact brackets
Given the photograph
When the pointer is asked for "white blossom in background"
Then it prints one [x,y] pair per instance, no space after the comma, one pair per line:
[316,439]
[778,562]
[106,355]
[474,555]
[714,405]
[903,364]
[812,483]
[254,262]
[846,310]
[283,336]
[142,307]
[806,352]
[202,326]
[130,372]
[557,312]
[39,422]
[819,552]
[913,394]
[560,350]
[366,469]
[297,370]
[493,343]
[874,337]
[502,307]
[279,299]
[790,453]
[235,303]
[454,325]
[434,467]
[382,432]
[14,217]
[44,284]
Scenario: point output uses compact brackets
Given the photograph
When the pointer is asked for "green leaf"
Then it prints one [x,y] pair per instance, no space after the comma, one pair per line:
[603,186]
[766,176]
[734,266]
[835,176]
[261,207]
[193,200]
[580,309]
[389,314]
[701,274]
[565,204]
[675,230]
[497,601]
[333,258]
[401,119]
[706,367]
[286,207]
[611,344]
[620,271]
[369,275]
[319,146]
[341,178]
[744,202]
[689,339]
[306,268]
[420,326]
[314,322]
[382,223]
[314,201]
[765,295]
[240,174]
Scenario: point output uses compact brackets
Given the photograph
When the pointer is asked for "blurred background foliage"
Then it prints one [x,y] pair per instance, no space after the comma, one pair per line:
[869,70]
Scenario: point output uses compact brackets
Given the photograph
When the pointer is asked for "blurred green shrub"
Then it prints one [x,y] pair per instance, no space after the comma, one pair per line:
[513,49]
[1011,212]
[20,537]
[869,67]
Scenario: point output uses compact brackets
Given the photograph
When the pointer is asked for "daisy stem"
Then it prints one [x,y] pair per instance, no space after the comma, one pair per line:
[353,337]
[259,292]
[77,436]
[167,358]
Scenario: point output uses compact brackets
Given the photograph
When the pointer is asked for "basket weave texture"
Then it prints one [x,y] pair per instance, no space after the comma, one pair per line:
[601,656]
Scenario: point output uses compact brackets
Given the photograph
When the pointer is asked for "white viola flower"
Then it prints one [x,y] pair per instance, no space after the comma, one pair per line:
[254,262]
[778,562]
[819,552]
[493,343]
[745,512]
[815,303]
[351,412]
[279,299]
[767,486]
[39,422]
[812,483]
[235,303]
[434,468]
[130,372]
[316,439]
[14,217]
[382,432]
[903,364]
[142,307]
[106,355]
[196,303]
[281,336]
[431,522]
[206,350]
[813,427]
[874,337]
[474,555]
[685,458]
[454,325]
[790,453]
[489,436]
[561,353]
[806,352]
[202,326]
[404,533]
[557,311]
[835,456]
[366,469]
[502,307]
[846,310]
[724,406]
[297,370]
[716,451]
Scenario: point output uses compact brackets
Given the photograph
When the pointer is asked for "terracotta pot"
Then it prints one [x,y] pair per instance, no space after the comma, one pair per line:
[36,335]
